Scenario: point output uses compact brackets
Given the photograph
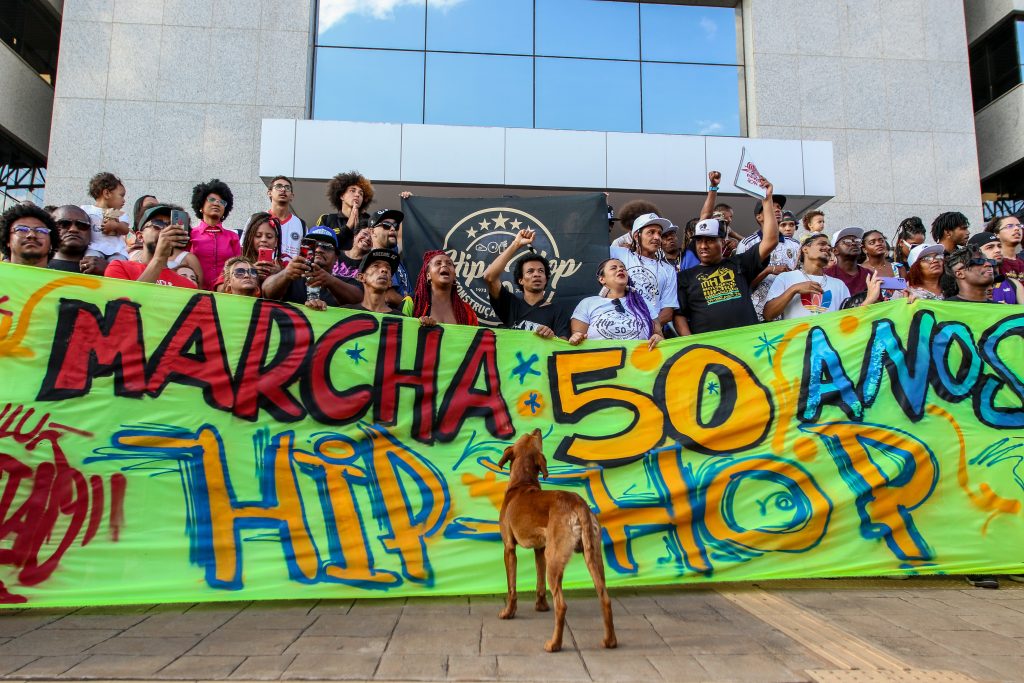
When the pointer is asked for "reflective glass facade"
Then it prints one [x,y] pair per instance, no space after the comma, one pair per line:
[603,65]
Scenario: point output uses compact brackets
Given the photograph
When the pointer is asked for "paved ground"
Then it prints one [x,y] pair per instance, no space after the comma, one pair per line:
[927,629]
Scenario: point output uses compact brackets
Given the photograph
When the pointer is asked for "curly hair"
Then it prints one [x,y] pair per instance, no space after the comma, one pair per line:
[249,236]
[634,209]
[994,223]
[813,213]
[422,295]
[101,182]
[11,215]
[203,190]
[960,257]
[341,182]
[521,265]
[948,222]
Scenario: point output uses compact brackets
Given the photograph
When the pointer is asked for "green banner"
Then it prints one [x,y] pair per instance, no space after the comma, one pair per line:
[163,445]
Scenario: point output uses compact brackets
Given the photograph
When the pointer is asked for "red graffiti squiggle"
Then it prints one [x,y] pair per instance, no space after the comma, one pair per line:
[44,510]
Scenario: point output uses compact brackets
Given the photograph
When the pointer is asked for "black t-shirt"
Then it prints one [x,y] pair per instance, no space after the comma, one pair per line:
[717,297]
[298,294]
[516,314]
[66,266]
[968,301]
[339,224]
[360,307]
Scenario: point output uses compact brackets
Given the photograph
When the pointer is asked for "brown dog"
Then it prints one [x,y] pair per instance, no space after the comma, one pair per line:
[554,524]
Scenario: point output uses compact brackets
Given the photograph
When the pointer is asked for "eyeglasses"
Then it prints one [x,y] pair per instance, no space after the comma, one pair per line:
[934,257]
[34,229]
[280,186]
[388,225]
[242,272]
[848,240]
[1006,226]
[66,224]
[219,202]
[325,247]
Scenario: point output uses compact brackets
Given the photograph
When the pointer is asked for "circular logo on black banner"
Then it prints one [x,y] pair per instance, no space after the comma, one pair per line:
[480,237]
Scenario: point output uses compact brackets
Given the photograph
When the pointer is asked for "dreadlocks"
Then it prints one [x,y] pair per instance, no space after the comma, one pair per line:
[422,296]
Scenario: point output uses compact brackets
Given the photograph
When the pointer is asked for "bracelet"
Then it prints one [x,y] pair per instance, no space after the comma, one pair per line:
[713,188]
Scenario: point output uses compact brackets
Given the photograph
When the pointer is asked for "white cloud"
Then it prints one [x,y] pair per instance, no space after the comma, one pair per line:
[710,127]
[709,27]
[335,11]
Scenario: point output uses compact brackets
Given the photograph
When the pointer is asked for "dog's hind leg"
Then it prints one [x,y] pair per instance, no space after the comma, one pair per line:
[542,592]
[557,557]
[510,572]
[595,564]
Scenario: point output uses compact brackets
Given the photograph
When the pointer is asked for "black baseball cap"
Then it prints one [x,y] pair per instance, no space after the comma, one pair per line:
[374,255]
[384,214]
[779,199]
[982,238]
[157,210]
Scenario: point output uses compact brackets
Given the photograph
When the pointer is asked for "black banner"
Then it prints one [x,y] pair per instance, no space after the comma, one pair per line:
[572,233]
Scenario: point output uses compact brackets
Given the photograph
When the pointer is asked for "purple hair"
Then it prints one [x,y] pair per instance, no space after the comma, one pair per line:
[634,303]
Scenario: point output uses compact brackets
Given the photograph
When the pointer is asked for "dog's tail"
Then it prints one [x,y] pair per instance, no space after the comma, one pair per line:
[590,532]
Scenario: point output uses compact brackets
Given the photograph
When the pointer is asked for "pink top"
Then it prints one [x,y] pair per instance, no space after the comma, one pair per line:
[213,246]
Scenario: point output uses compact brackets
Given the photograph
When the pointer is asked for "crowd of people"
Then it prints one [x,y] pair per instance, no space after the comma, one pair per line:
[655,283]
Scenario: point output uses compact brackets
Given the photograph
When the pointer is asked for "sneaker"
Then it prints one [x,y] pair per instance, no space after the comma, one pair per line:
[1019,578]
[982,581]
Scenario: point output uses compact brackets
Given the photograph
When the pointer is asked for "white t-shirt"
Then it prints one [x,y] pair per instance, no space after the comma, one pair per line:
[292,233]
[609,319]
[785,253]
[834,293]
[107,245]
[655,280]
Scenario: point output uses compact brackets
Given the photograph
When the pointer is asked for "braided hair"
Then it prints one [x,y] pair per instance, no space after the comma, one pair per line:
[634,303]
[422,296]
[908,228]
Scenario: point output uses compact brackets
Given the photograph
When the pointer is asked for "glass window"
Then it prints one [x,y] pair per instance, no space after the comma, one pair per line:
[371,24]
[33,33]
[691,98]
[682,33]
[368,85]
[492,26]
[588,94]
[995,64]
[588,28]
[479,90]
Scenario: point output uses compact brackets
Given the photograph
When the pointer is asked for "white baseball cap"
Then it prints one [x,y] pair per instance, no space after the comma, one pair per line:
[847,232]
[650,219]
[922,250]
[710,227]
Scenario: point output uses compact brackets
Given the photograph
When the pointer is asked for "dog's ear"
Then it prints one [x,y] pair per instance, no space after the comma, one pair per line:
[506,456]
[542,462]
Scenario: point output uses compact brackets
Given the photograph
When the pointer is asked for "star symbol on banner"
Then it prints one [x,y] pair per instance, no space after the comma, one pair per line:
[471,233]
[525,366]
[712,387]
[485,224]
[500,221]
[532,404]
[356,354]
[515,224]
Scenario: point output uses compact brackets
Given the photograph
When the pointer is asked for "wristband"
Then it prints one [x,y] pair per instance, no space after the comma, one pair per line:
[713,188]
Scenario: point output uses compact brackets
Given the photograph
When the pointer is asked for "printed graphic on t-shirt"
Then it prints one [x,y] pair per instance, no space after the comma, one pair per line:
[617,323]
[645,281]
[817,302]
[719,286]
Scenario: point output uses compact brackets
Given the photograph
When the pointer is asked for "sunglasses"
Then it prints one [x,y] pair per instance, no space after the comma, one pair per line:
[156,223]
[388,225]
[24,230]
[66,224]
[219,202]
[242,272]
[978,261]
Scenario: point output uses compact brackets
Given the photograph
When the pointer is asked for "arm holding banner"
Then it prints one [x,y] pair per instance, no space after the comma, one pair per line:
[770,226]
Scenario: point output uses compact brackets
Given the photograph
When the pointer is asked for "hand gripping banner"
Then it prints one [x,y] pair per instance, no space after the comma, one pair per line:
[163,445]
